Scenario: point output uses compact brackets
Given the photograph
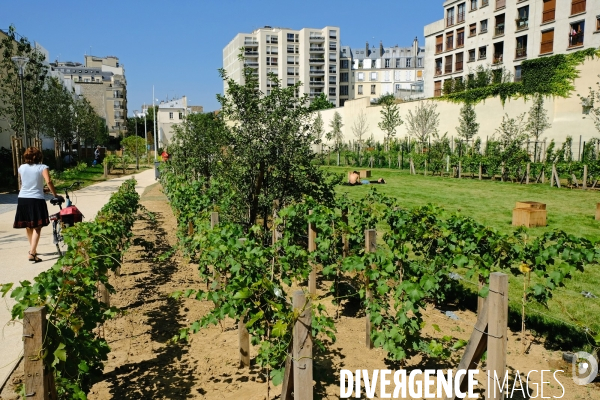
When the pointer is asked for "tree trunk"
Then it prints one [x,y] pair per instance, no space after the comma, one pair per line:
[256,194]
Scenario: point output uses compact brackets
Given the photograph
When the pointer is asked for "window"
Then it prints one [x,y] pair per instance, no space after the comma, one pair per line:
[498,53]
[449,41]
[408,62]
[180,115]
[483,26]
[344,77]
[360,89]
[460,37]
[521,51]
[523,18]
[387,76]
[576,34]
[471,55]
[484,3]
[373,76]
[500,4]
[344,90]
[290,37]
[439,45]
[472,30]
[373,89]
[170,115]
[332,57]
[450,17]
[499,25]
[448,65]
[344,64]
[332,46]
[459,62]
[548,10]
[547,45]
[332,34]
[517,73]
[361,76]
[420,62]
[438,66]
[332,80]
[473,5]
[437,88]
[460,17]
[482,52]
[291,49]
[398,60]
[387,63]
[291,81]
[598,23]
[577,6]
[332,91]
[332,69]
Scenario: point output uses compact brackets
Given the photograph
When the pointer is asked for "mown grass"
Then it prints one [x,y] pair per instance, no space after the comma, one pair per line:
[91,175]
[491,203]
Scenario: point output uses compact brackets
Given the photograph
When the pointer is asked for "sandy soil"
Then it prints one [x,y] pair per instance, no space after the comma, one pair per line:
[145,364]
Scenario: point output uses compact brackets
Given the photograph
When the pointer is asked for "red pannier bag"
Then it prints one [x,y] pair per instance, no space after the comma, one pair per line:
[70,215]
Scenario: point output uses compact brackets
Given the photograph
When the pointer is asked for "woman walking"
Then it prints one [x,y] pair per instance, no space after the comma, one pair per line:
[32,211]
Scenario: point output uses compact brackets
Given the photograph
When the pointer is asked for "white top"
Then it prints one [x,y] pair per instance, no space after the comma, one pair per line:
[32,181]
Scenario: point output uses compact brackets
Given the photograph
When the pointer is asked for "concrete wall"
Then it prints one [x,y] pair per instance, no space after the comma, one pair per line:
[565,115]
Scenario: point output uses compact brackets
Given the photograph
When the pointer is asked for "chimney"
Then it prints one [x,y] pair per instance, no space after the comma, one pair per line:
[367,50]
[416,46]
[380,48]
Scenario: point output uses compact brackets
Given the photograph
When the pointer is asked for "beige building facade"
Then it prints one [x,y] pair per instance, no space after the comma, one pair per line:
[565,114]
[103,84]
[308,55]
[170,113]
[503,33]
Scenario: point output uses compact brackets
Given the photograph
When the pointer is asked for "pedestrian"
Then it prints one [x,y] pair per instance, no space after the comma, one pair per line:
[165,156]
[32,210]
[96,156]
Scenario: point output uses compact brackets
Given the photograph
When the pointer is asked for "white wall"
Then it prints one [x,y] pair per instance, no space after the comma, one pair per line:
[565,114]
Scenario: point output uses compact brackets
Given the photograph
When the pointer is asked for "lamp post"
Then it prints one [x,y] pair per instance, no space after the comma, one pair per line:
[21,62]
[146,135]
[137,155]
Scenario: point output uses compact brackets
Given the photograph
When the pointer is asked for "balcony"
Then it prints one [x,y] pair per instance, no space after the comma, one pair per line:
[460,17]
[273,52]
[439,48]
[548,15]
[497,58]
[316,83]
[522,23]
[250,43]
[499,31]
[316,72]
[500,4]
[293,73]
[251,64]
[292,62]
[312,95]
[273,41]
[316,38]
[317,48]
[521,53]
[316,60]
[576,40]
[117,106]
[332,47]
[293,51]
[332,36]
[449,21]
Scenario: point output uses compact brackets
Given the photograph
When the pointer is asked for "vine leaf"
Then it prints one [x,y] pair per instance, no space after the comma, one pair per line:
[279,329]
[5,288]
[60,354]
[242,294]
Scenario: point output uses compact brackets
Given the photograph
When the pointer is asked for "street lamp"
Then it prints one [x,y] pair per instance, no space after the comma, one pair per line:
[137,155]
[21,62]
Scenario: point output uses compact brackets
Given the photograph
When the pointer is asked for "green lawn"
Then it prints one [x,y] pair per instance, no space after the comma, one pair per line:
[91,175]
[491,203]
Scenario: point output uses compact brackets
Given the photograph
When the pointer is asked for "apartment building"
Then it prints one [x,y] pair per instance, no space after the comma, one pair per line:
[169,114]
[308,55]
[377,71]
[103,84]
[503,33]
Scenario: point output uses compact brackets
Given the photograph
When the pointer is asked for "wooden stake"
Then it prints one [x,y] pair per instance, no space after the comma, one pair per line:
[480,171]
[459,169]
[555,176]
[37,383]
[103,294]
[425,173]
[214,219]
[502,173]
[370,247]
[302,354]
[497,330]
[244,344]
[543,175]
[527,173]
[287,387]
[312,246]
[480,300]
[585,172]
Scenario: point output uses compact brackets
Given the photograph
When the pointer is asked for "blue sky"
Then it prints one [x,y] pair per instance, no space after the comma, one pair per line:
[177,46]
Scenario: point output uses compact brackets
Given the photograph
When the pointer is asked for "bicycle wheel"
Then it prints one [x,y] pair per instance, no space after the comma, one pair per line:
[58,241]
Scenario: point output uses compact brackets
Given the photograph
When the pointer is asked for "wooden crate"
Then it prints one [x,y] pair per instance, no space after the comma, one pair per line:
[530,204]
[597,211]
[365,173]
[529,217]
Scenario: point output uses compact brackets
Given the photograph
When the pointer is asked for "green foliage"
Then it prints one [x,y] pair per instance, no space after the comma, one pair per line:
[72,348]
[390,116]
[546,76]
[320,103]
[134,146]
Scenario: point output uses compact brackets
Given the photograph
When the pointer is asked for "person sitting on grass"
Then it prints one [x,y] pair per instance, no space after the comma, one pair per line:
[354,180]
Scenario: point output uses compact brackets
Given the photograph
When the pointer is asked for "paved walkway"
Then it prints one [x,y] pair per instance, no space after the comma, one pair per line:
[15,267]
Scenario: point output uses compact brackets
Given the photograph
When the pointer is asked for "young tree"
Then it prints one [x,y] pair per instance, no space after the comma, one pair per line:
[336,133]
[318,130]
[134,146]
[468,126]
[59,114]
[359,129]
[424,122]
[390,117]
[512,131]
[537,121]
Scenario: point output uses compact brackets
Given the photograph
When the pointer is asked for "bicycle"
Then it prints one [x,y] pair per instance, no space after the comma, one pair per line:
[62,220]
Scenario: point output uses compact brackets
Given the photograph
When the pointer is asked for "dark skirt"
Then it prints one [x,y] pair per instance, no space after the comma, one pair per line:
[31,213]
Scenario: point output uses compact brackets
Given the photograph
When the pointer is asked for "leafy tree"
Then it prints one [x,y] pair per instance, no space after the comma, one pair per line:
[10,87]
[468,126]
[512,131]
[270,148]
[318,129]
[424,122]
[390,117]
[537,121]
[134,146]
[336,130]
[320,103]
[591,105]
[59,114]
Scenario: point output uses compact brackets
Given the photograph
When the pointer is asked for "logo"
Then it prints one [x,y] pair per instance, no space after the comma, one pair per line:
[585,368]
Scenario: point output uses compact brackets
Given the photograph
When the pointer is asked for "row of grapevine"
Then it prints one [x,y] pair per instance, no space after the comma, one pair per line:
[251,280]
[73,350]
